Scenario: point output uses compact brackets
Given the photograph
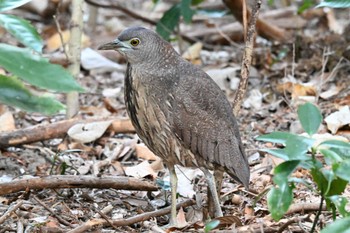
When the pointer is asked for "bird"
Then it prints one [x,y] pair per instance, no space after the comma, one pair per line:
[179,112]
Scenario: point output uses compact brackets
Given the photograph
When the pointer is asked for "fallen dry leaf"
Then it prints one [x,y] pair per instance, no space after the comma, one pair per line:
[181,219]
[296,89]
[88,132]
[92,60]
[143,152]
[331,91]
[226,221]
[54,42]
[192,54]
[140,171]
[7,122]
[338,119]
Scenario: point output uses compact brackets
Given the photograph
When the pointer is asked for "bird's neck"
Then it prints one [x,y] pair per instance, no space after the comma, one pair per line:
[158,62]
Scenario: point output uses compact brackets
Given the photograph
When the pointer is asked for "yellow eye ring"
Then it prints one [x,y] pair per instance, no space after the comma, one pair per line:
[135,42]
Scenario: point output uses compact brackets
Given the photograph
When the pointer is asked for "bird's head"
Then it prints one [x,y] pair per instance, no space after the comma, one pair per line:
[137,44]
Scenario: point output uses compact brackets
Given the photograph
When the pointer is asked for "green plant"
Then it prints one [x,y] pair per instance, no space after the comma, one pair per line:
[171,17]
[27,64]
[335,3]
[330,177]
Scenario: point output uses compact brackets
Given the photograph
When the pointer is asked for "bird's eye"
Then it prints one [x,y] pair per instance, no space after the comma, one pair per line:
[135,42]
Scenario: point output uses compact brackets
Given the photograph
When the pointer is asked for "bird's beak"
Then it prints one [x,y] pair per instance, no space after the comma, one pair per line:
[114,45]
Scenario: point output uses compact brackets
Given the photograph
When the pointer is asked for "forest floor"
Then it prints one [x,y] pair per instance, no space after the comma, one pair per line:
[313,65]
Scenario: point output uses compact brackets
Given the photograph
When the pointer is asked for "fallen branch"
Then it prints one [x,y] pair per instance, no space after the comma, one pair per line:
[70,181]
[8,213]
[264,29]
[304,208]
[259,227]
[132,220]
[55,130]
[293,220]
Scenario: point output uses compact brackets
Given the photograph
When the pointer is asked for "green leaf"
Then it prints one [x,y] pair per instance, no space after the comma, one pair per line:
[279,199]
[276,137]
[13,93]
[283,171]
[343,169]
[330,177]
[331,156]
[335,144]
[320,180]
[279,153]
[338,226]
[196,2]
[337,187]
[168,22]
[186,11]
[297,147]
[328,185]
[335,3]
[305,5]
[36,70]
[11,4]
[22,30]
[310,118]
[211,225]
[340,202]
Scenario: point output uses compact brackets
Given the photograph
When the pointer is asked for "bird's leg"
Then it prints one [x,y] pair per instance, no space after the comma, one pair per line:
[218,176]
[213,191]
[173,184]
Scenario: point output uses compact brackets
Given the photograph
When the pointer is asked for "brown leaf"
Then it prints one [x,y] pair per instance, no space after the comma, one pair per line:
[296,89]
[228,221]
[7,122]
[143,152]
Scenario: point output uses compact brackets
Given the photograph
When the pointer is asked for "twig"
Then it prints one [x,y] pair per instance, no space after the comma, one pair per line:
[245,19]
[132,220]
[134,15]
[304,207]
[60,34]
[106,218]
[293,220]
[61,220]
[226,37]
[56,130]
[317,215]
[8,213]
[70,181]
[264,28]
[247,59]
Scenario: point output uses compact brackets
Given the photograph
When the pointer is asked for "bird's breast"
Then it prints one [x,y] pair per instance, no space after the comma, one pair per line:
[151,112]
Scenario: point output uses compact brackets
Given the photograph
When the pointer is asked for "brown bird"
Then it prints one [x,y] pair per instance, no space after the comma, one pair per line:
[178,111]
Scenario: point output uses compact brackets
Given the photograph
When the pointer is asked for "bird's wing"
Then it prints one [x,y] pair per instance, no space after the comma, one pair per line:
[204,122]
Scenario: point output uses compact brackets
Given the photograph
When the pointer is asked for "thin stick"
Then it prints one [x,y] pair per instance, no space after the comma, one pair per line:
[132,220]
[61,220]
[247,59]
[60,34]
[8,213]
[245,24]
